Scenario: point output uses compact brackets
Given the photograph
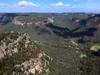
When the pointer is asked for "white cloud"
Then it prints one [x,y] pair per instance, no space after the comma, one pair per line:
[24,3]
[61,4]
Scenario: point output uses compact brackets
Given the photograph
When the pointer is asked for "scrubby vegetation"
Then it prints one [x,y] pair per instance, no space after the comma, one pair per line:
[71,39]
[95,48]
[21,56]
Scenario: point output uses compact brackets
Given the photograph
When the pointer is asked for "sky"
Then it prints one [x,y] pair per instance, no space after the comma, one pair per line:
[58,6]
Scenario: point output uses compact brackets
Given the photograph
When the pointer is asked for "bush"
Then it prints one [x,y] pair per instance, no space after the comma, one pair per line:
[83,56]
[95,48]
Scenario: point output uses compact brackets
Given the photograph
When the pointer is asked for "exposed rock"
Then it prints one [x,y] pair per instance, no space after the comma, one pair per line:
[50,19]
[24,56]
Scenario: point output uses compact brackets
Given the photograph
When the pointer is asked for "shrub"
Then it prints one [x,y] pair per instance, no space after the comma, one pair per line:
[95,48]
[83,56]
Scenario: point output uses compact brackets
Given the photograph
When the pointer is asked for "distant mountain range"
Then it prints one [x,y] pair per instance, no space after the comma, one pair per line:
[64,25]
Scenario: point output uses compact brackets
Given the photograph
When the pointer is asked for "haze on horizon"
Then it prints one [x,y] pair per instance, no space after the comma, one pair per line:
[50,6]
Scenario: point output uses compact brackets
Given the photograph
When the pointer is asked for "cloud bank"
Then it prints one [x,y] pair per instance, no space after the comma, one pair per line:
[25,3]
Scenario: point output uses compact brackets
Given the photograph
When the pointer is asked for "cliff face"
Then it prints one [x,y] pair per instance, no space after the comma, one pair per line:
[21,56]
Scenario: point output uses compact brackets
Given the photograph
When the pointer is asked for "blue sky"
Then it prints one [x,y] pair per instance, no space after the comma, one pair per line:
[50,6]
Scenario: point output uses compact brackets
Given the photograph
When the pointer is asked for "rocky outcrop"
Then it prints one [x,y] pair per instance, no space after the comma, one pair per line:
[21,56]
